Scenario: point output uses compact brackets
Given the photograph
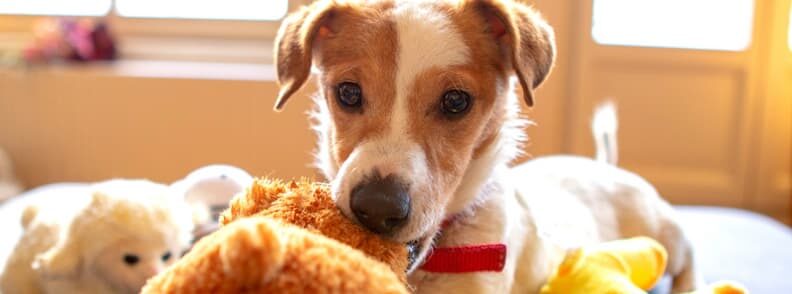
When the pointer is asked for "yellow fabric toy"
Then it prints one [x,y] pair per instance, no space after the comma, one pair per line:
[623,266]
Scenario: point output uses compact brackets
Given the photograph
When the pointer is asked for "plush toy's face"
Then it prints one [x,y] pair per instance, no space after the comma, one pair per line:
[127,263]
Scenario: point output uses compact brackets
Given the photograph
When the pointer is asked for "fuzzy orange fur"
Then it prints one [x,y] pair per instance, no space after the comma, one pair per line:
[286,237]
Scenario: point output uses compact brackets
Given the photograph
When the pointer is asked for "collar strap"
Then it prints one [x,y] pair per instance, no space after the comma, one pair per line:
[465,259]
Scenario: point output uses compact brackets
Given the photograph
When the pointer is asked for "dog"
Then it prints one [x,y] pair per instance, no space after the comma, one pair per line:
[418,120]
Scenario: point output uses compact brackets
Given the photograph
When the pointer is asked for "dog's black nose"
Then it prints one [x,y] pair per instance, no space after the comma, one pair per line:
[381,204]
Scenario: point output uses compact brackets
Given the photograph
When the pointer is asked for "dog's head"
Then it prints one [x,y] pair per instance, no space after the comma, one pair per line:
[414,100]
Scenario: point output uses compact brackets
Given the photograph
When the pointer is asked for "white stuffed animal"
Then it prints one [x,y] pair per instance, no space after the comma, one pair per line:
[110,240]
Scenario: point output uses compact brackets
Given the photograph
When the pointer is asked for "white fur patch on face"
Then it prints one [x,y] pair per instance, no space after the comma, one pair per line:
[321,123]
[389,157]
[427,39]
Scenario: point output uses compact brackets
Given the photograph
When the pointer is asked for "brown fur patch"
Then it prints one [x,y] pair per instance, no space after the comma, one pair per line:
[362,49]
[450,144]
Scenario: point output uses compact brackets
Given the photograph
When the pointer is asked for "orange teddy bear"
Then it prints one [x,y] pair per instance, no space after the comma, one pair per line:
[287,237]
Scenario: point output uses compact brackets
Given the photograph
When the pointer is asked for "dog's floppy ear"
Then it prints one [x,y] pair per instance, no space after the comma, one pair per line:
[293,46]
[525,39]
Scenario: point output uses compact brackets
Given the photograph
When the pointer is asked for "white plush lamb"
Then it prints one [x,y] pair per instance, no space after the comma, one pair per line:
[109,240]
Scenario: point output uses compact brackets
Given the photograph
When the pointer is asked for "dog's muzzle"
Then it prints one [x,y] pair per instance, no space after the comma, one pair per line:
[382,205]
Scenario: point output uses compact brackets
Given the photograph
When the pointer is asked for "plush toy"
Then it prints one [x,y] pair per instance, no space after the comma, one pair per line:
[208,190]
[110,240]
[623,266]
[70,39]
[286,238]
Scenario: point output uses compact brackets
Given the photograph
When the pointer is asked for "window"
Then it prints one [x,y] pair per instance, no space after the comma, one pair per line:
[693,24]
[204,9]
[190,30]
[185,9]
[56,7]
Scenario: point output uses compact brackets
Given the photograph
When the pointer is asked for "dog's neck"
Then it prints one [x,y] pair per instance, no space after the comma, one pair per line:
[481,181]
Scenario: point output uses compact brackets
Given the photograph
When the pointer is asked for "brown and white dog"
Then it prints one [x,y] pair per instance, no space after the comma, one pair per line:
[418,120]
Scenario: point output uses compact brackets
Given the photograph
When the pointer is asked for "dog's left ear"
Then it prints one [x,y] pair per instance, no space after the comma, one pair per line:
[294,44]
[525,39]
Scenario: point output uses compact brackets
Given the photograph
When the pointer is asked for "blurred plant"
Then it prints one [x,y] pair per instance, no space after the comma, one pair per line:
[69,39]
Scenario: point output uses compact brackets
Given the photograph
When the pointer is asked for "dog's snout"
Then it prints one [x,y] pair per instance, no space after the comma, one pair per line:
[382,205]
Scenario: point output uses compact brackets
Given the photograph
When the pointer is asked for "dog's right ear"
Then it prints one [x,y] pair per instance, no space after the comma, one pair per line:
[294,43]
[525,36]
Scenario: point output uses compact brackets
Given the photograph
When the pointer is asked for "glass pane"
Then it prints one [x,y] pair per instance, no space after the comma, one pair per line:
[204,9]
[789,30]
[55,7]
[695,24]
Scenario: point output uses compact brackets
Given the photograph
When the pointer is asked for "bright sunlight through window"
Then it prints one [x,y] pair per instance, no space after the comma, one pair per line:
[204,9]
[789,30]
[56,7]
[693,24]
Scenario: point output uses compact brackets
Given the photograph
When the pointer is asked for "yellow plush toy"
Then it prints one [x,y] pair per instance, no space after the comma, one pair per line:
[623,266]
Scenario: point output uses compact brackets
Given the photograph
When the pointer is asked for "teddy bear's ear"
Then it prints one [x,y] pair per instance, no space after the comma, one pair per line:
[28,215]
[99,199]
[63,260]
[252,240]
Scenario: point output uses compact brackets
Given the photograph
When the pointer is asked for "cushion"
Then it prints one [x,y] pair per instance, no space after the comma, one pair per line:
[738,245]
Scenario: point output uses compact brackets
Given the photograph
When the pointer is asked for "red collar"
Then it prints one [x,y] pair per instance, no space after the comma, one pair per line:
[465,259]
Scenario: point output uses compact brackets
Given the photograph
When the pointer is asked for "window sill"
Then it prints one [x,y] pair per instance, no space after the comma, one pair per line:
[161,69]
[188,56]
[196,49]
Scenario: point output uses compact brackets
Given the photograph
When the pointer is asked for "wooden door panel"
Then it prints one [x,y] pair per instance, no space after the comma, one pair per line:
[672,129]
[685,116]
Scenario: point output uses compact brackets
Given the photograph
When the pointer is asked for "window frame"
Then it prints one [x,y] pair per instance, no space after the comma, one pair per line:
[789,30]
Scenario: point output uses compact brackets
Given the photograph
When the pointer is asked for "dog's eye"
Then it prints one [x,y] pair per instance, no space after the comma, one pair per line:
[131,259]
[167,256]
[455,103]
[349,95]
